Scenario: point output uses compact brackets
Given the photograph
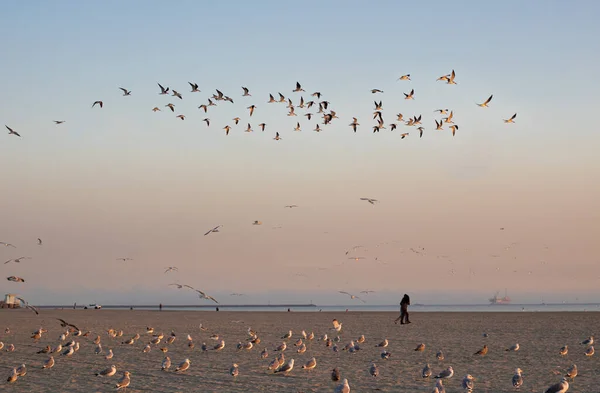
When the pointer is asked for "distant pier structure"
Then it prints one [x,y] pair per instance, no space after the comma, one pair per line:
[10,301]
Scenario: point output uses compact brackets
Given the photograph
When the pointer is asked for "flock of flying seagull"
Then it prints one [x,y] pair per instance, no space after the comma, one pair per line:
[303,342]
[324,109]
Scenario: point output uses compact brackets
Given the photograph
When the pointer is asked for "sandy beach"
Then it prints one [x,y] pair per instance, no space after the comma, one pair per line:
[459,335]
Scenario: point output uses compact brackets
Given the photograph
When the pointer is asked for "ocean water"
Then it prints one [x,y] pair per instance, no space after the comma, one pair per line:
[562,307]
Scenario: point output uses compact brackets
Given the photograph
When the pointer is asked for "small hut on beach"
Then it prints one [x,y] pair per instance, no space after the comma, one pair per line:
[10,301]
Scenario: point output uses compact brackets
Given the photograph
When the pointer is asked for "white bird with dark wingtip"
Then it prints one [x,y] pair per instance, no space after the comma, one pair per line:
[183,366]
[344,387]
[163,91]
[374,370]
[124,381]
[125,91]
[560,387]
[298,88]
[571,372]
[404,77]
[287,367]
[426,373]
[370,200]
[107,372]
[517,379]
[588,341]
[166,363]
[49,363]
[467,383]
[512,119]
[447,373]
[12,132]
[450,80]
[410,96]
[312,363]
[485,104]
[215,230]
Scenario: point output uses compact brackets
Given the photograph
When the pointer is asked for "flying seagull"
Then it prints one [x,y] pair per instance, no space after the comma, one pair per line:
[410,96]
[39,241]
[298,88]
[16,260]
[64,323]
[351,296]
[450,80]
[29,306]
[125,91]
[11,131]
[15,279]
[215,229]
[163,91]
[171,269]
[512,119]
[194,87]
[404,77]
[485,104]
[370,200]
[7,244]
[124,259]
[98,103]
[246,92]
[58,121]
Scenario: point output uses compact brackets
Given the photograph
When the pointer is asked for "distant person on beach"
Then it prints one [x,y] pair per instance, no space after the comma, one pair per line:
[217,308]
[160,307]
[404,303]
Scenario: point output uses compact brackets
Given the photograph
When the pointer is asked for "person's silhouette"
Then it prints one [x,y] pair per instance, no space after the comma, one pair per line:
[404,303]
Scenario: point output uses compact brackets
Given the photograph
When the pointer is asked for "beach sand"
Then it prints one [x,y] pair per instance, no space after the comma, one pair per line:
[459,335]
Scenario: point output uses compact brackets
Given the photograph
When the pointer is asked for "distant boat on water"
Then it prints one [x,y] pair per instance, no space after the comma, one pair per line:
[500,300]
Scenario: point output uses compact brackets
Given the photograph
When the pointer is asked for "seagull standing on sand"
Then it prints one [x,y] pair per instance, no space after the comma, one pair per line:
[517,379]
[343,387]
[447,373]
[426,373]
[564,350]
[286,368]
[108,372]
[571,372]
[560,387]
[124,381]
[467,383]
[49,363]
[183,366]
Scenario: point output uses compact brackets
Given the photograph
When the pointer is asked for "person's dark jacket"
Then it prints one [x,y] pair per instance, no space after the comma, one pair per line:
[405,302]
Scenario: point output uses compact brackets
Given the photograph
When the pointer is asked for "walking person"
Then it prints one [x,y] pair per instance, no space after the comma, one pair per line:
[404,303]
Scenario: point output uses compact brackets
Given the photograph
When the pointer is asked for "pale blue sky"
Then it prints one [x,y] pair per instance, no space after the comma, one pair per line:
[124,181]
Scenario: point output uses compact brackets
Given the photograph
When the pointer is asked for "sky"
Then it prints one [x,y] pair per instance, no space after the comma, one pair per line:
[124,182]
